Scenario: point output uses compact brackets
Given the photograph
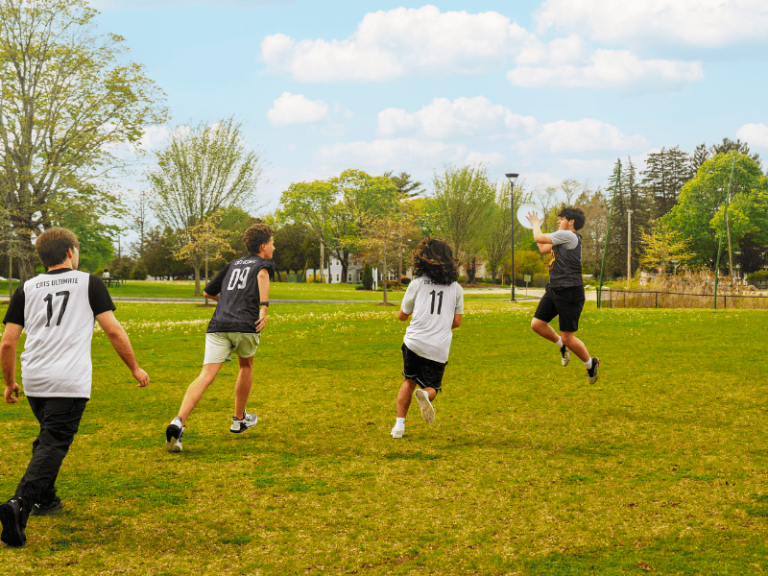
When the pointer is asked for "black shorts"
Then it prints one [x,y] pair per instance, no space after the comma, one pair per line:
[566,303]
[425,372]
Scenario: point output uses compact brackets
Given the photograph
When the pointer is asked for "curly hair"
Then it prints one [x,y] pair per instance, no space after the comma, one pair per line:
[575,214]
[256,235]
[434,258]
[52,245]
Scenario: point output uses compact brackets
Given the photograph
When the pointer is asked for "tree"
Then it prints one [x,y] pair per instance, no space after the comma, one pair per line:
[596,208]
[664,176]
[497,240]
[379,241]
[199,172]
[572,189]
[462,201]
[406,188]
[297,248]
[529,262]
[663,246]
[728,145]
[65,104]
[698,215]
[201,243]
[158,255]
[139,220]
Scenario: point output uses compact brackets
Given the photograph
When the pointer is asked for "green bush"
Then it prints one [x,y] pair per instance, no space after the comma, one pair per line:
[367,276]
[359,287]
[759,276]
[139,271]
[540,281]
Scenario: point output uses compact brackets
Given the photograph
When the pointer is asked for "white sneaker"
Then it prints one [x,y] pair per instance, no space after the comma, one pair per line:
[248,421]
[397,432]
[566,356]
[173,435]
[427,411]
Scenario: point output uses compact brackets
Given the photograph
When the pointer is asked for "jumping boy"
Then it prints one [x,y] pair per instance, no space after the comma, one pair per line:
[436,301]
[57,311]
[241,289]
[564,295]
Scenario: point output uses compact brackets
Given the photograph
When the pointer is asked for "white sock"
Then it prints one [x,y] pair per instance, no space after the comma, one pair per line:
[399,423]
[560,343]
[588,364]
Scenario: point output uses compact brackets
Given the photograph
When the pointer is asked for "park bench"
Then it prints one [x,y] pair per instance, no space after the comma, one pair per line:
[116,281]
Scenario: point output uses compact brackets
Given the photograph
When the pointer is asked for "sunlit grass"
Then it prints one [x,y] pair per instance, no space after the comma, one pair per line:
[661,466]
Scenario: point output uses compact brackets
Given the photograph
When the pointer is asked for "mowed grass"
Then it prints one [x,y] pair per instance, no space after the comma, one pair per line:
[661,467]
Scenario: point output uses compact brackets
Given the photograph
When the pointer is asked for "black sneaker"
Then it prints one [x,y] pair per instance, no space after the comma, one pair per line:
[43,508]
[592,372]
[173,435]
[14,520]
[566,355]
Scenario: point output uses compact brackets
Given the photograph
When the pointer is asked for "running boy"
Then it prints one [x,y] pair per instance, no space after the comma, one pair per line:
[241,289]
[564,295]
[437,303]
[57,311]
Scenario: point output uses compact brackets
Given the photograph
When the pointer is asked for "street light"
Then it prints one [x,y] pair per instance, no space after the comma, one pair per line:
[512,178]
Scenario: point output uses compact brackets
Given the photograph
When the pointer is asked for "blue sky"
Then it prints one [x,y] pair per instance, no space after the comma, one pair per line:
[552,89]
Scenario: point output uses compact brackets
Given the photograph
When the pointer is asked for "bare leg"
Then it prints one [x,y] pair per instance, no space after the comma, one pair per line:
[431,393]
[196,389]
[575,345]
[243,386]
[404,397]
[546,331]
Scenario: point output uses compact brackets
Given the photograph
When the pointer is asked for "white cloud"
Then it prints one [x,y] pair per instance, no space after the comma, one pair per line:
[290,109]
[402,41]
[442,118]
[589,167]
[754,134]
[695,22]
[392,152]
[581,135]
[607,69]
[489,159]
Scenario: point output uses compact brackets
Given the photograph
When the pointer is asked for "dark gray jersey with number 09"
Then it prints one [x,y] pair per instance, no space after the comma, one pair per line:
[237,286]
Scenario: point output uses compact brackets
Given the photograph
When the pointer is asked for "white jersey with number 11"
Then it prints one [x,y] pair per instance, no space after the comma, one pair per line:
[433,306]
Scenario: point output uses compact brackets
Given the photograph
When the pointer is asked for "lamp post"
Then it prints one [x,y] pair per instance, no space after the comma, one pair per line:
[512,178]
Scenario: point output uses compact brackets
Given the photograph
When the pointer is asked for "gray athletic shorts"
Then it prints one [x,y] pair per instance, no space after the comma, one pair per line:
[219,346]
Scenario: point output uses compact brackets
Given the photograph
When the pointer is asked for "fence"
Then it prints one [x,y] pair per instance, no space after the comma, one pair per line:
[642,299]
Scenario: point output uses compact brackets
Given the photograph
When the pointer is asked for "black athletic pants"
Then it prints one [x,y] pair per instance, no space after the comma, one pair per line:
[59,420]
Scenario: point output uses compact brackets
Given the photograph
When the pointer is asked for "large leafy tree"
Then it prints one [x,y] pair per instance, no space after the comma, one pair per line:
[66,101]
[698,215]
[297,248]
[663,246]
[200,171]
[462,201]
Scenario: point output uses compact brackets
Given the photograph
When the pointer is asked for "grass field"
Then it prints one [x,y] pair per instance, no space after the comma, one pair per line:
[661,467]
[277,291]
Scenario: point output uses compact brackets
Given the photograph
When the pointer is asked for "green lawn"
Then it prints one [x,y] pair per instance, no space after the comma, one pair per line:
[277,291]
[662,466]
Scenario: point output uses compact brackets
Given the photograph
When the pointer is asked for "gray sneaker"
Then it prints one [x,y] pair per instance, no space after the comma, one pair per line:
[427,410]
[173,435]
[248,421]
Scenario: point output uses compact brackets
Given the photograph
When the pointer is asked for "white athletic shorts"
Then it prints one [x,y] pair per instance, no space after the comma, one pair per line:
[219,346]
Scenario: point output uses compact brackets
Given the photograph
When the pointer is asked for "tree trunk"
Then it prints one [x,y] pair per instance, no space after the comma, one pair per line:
[197,280]
[384,278]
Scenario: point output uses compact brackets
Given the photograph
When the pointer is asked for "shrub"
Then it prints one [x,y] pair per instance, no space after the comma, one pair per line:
[359,287]
[759,276]
[139,271]
[367,276]
[539,281]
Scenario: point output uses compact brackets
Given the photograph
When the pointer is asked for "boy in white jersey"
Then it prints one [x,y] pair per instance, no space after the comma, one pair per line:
[437,303]
[57,311]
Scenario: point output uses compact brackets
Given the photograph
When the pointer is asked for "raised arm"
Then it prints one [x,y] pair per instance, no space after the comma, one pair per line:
[122,345]
[8,360]
[543,241]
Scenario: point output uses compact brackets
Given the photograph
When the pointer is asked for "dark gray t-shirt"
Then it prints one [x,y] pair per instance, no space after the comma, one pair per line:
[565,263]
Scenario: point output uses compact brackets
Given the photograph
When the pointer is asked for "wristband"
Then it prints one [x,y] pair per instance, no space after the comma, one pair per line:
[264,304]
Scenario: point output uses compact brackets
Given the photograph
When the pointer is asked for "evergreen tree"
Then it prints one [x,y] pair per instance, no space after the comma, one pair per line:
[664,176]
[741,147]
[700,156]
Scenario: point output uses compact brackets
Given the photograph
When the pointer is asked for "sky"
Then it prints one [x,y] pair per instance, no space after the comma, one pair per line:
[552,89]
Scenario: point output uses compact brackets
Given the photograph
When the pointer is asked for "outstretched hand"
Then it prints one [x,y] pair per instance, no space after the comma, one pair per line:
[533,218]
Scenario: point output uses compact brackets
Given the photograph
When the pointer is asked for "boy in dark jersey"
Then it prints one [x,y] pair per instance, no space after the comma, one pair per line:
[564,295]
[57,310]
[241,289]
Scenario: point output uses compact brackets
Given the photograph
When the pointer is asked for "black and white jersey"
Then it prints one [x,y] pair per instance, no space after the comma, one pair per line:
[57,311]
[433,305]
[237,286]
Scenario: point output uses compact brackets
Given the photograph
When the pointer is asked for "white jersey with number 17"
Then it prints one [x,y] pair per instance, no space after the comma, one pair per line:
[433,305]
[58,320]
